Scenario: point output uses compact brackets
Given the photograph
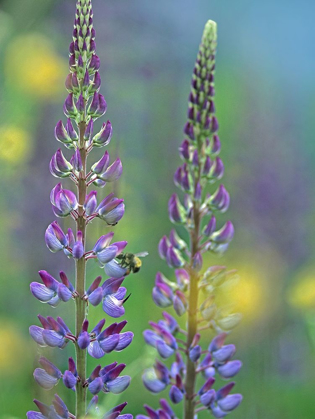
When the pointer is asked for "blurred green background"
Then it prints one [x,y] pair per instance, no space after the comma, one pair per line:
[265,103]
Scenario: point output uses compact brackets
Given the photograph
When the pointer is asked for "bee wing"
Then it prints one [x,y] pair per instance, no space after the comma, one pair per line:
[142,254]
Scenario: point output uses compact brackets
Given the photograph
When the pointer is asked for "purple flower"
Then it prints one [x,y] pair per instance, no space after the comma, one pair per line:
[174,258]
[103,242]
[100,166]
[62,135]
[90,203]
[71,240]
[156,379]
[84,338]
[105,252]
[63,201]
[112,381]
[176,210]
[230,369]
[68,106]
[176,396]
[57,410]
[180,303]
[224,235]
[87,136]
[194,353]
[48,376]
[220,200]
[80,104]
[115,412]
[230,402]
[76,161]
[95,292]
[109,339]
[210,227]
[114,269]
[114,297]
[70,376]
[104,136]
[164,413]
[184,150]
[98,106]
[176,241]
[113,172]
[59,166]
[161,339]
[224,353]
[111,209]
[55,238]
[54,333]
[51,291]
[78,247]
[163,247]
[162,293]
[169,323]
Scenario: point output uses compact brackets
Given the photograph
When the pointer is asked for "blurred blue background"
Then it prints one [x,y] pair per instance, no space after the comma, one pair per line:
[265,99]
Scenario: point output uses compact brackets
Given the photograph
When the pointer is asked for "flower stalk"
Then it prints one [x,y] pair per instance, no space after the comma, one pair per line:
[191,380]
[80,278]
[83,106]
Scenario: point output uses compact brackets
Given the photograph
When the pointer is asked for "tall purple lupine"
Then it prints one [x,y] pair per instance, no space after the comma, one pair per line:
[191,380]
[83,105]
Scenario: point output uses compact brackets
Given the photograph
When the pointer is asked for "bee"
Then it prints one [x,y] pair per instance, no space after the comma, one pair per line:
[131,262]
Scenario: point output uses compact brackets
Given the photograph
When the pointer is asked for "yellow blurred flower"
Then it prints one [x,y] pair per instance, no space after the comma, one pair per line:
[302,293]
[32,65]
[12,348]
[245,295]
[14,144]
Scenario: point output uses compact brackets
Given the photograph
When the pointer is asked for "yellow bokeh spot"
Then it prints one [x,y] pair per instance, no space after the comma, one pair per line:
[14,144]
[32,65]
[245,295]
[302,293]
[12,348]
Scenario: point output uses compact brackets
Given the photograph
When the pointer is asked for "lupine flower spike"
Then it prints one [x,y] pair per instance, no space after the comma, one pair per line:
[83,105]
[192,381]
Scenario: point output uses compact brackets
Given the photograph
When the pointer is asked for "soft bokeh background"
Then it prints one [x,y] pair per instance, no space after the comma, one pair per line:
[265,103]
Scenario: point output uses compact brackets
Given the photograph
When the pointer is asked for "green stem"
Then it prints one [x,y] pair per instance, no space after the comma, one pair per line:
[192,319]
[80,276]
[190,381]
